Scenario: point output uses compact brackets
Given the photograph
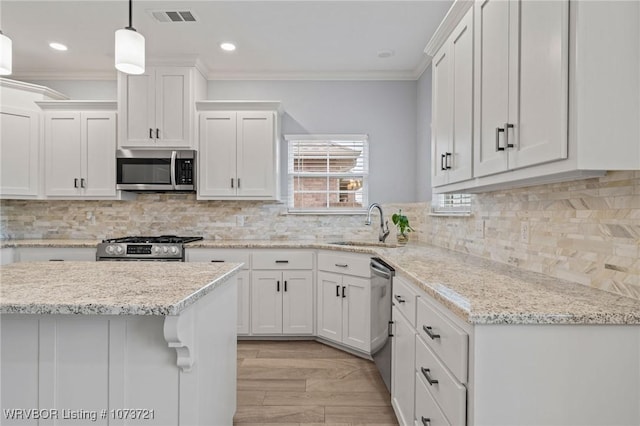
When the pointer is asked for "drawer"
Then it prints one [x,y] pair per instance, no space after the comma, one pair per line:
[427,411]
[405,298]
[342,263]
[444,387]
[446,339]
[219,255]
[43,254]
[280,259]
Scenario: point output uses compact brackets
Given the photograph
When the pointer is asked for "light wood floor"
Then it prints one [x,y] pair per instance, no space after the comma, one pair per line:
[308,384]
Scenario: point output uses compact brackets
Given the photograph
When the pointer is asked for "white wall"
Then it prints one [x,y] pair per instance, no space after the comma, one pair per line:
[101,90]
[385,110]
[423,136]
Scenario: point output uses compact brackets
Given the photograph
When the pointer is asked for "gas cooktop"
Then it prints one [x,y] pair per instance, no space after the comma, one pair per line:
[162,248]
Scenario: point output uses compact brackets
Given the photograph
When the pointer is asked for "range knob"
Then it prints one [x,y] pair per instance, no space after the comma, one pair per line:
[156,249]
[165,249]
[174,250]
[110,249]
[119,249]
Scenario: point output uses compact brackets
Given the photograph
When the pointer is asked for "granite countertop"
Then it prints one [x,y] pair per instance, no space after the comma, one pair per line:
[479,291]
[108,288]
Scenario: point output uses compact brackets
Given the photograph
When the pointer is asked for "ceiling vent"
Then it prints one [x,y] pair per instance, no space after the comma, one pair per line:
[173,16]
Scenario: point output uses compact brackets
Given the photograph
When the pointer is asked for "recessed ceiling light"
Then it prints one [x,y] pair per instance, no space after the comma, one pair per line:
[57,46]
[386,53]
[229,47]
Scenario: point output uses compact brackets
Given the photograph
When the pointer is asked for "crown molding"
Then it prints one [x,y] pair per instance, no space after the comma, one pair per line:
[21,85]
[65,75]
[448,24]
[366,75]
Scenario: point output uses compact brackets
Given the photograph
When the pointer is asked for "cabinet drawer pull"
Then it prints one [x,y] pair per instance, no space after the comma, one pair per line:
[430,332]
[447,164]
[343,295]
[56,260]
[399,299]
[498,131]
[337,291]
[507,126]
[277,285]
[342,265]
[425,373]
[425,421]
[157,133]
[442,167]
[282,261]
[217,261]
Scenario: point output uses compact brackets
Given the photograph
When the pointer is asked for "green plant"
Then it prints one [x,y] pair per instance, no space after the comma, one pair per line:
[402,222]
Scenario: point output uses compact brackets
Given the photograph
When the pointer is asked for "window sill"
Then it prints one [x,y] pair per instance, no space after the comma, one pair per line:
[451,214]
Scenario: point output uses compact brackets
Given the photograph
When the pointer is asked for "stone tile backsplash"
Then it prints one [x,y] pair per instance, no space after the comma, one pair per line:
[586,231]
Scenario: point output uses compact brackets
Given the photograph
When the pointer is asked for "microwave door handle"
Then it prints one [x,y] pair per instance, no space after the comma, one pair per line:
[173,168]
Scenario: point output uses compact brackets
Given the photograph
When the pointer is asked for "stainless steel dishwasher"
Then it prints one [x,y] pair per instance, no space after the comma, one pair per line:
[381,283]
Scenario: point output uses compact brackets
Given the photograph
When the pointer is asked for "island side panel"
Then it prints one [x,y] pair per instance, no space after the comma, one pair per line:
[556,375]
[88,363]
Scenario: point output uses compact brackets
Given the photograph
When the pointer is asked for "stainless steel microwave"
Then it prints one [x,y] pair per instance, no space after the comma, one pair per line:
[156,170]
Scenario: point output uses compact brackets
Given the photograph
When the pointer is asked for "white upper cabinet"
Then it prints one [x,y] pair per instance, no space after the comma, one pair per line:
[521,83]
[238,154]
[80,148]
[452,125]
[157,108]
[20,138]
[535,119]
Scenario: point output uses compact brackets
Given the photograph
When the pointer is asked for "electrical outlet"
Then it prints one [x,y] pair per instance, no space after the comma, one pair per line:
[480,228]
[239,220]
[524,232]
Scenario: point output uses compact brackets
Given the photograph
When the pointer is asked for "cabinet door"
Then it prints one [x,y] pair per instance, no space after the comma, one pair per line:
[217,156]
[256,162]
[98,130]
[330,306]
[266,302]
[492,85]
[356,312]
[461,147]
[243,302]
[19,168]
[63,153]
[539,83]
[403,367]
[297,302]
[441,125]
[172,107]
[137,110]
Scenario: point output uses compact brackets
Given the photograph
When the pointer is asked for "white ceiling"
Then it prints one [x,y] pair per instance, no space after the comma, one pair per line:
[275,39]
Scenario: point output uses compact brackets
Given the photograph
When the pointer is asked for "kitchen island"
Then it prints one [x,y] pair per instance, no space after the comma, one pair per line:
[150,343]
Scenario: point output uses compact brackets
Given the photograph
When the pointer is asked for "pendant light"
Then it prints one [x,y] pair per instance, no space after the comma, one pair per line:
[129,48]
[5,55]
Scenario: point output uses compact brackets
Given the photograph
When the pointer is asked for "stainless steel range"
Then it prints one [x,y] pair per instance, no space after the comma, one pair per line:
[163,248]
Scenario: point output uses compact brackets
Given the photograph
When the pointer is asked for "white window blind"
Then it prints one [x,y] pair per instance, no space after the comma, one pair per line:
[328,173]
[452,204]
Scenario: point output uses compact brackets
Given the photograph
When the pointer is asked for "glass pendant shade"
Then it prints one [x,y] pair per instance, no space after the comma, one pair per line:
[129,51]
[5,55]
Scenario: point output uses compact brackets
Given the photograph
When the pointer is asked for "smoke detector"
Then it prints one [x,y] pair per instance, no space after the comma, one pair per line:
[168,16]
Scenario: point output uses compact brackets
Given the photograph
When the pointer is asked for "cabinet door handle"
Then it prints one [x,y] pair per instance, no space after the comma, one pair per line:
[430,332]
[157,133]
[442,167]
[447,164]
[277,285]
[150,133]
[232,182]
[82,180]
[425,421]
[342,265]
[285,285]
[282,261]
[399,299]
[75,182]
[238,182]
[337,291]
[498,131]
[343,295]
[507,126]
[425,373]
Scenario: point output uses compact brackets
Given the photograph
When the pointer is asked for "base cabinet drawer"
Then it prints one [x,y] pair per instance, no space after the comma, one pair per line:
[218,256]
[441,384]
[427,411]
[405,298]
[342,263]
[446,339]
[282,260]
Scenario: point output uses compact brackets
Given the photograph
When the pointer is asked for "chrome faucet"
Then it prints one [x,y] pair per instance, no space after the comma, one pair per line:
[384,226]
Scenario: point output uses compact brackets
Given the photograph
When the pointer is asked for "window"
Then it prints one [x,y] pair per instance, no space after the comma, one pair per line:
[328,173]
[452,204]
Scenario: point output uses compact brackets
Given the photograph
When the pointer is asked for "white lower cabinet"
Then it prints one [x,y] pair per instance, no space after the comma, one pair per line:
[402,371]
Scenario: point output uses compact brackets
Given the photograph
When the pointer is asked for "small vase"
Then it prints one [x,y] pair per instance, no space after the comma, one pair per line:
[402,238]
